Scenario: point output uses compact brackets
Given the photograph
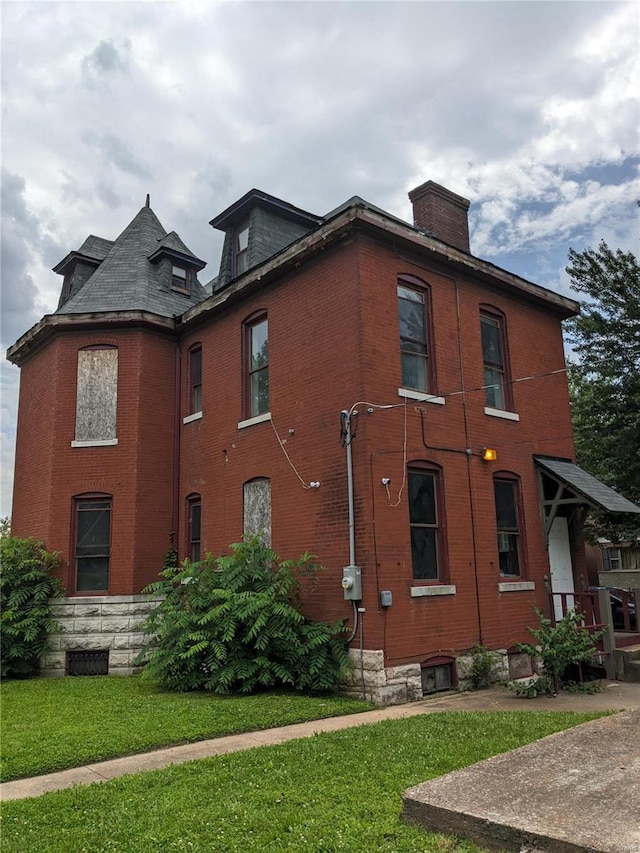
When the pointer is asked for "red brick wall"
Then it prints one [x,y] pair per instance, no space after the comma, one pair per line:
[137,472]
[314,372]
[333,342]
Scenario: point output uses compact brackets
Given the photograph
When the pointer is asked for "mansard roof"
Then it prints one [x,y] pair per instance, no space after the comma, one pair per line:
[126,278]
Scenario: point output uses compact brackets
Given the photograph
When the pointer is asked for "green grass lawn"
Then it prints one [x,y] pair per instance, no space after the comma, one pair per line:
[50,724]
[333,792]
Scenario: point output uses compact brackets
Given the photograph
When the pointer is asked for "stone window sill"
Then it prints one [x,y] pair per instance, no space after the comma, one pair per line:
[516,586]
[258,419]
[410,394]
[106,442]
[442,589]
[501,413]
[196,416]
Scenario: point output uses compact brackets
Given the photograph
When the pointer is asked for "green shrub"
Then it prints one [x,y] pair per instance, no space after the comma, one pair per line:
[233,624]
[482,661]
[26,585]
[563,647]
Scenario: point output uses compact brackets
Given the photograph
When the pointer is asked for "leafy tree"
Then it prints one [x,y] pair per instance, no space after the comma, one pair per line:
[26,585]
[233,624]
[604,378]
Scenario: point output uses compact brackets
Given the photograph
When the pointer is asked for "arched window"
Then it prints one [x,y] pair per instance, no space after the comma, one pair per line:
[256,365]
[416,335]
[92,542]
[509,524]
[427,522]
[257,508]
[194,395]
[96,396]
[194,527]
[495,359]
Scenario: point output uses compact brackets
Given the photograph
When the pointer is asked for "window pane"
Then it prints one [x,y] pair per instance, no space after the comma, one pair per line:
[494,390]
[195,521]
[422,499]
[491,341]
[92,573]
[259,345]
[243,238]
[412,295]
[424,553]
[93,529]
[506,508]
[196,367]
[260,392]
[411,316]
[414,371]
[508,553]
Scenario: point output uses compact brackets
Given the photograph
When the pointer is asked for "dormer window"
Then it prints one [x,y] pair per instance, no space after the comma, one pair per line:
[241,249]
[179,280]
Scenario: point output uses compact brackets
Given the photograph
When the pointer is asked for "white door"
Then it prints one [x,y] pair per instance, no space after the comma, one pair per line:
[560,565]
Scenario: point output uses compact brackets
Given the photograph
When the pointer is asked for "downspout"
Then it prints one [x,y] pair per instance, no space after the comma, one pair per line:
[352,528]
[348,438]
[469,457]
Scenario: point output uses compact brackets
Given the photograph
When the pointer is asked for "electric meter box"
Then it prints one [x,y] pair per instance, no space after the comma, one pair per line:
[352,583]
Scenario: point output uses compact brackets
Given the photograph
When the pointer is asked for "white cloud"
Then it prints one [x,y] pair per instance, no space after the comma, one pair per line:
[530,109]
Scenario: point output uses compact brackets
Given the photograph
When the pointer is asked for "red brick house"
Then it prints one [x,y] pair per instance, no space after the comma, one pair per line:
[335,386]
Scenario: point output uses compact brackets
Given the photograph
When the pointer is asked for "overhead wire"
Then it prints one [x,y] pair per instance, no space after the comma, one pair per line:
[305,485]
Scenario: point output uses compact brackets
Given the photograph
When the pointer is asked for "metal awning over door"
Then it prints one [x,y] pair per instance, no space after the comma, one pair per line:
[564,483]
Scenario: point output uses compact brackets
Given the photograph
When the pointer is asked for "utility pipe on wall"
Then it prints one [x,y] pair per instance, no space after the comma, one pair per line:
[346,423]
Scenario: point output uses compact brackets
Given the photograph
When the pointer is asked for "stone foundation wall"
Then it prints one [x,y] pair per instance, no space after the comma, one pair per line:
[395,685]
[97,623]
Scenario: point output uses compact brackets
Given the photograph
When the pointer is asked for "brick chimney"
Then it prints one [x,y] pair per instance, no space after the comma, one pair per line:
[437,209]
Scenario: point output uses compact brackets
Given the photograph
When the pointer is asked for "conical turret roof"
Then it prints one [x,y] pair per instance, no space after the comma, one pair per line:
[127,280]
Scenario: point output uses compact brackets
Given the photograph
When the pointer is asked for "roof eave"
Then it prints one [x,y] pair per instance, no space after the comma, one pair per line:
[182,257]
[238,211]
[61,267]
[473,266]
[51,324]
[361,213]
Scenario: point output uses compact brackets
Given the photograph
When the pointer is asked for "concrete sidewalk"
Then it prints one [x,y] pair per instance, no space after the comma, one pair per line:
[615,696]
[576,791]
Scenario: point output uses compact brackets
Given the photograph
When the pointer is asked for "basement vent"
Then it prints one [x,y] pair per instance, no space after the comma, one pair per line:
[88,663]
[436,678]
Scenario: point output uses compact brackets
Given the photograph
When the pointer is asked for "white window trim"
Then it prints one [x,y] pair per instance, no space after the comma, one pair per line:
[258,419]
[516,586]
[105,442]
[410,394]
[501,413]
[194,417]
[442,589]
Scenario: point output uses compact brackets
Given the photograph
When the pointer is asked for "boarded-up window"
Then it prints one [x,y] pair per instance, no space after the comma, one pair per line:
[257,509]
[97,394]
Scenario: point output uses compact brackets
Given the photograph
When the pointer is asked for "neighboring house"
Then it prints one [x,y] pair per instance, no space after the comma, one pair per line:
[340,386]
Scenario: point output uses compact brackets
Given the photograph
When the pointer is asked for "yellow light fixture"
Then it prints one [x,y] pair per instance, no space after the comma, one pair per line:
[489,454]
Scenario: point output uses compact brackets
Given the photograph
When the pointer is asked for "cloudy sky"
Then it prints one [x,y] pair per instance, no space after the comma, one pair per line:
[529,109]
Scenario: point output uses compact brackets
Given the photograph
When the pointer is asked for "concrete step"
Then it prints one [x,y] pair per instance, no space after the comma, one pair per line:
[628,664]
[633,671]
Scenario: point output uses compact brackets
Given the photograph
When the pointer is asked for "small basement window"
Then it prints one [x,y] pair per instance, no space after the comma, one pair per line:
[437,678]
[88,663]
